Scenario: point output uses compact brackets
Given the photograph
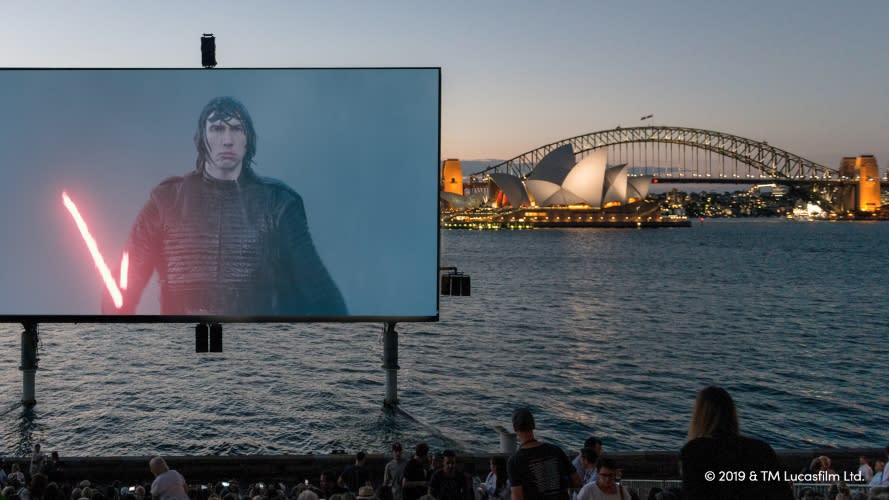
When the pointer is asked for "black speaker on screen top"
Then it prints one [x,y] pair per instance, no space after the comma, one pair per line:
[455,284]
[208,50]
[201,337]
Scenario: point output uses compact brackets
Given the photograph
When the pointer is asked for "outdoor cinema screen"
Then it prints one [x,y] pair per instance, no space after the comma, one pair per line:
[219,195]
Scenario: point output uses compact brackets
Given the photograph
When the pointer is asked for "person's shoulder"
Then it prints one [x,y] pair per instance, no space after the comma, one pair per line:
[553,449]
[756,447]
[587,490]
[698,444]
[277,186]
[170,185]
[175,180]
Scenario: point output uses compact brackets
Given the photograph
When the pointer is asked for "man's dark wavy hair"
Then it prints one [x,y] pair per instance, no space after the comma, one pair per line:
[224,108]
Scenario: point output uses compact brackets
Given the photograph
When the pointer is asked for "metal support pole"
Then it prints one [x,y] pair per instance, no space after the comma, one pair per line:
[390,364]
[28,367]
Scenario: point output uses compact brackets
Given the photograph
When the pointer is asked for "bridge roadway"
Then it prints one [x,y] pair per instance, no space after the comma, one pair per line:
[670,179]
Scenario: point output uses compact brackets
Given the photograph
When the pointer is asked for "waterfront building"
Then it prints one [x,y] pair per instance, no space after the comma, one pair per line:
[561,192]
[558,181]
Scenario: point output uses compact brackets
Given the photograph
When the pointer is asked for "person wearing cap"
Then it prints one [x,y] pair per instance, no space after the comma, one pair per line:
[415,481]
[538,471]
[366,493]
[394,472]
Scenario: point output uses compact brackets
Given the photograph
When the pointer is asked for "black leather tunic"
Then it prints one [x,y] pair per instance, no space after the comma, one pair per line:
[229,248]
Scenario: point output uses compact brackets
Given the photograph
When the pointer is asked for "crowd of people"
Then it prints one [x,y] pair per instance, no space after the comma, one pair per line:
[536,471]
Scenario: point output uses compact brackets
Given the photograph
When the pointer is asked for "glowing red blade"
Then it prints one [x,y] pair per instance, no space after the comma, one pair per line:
[124,268]
[91,245]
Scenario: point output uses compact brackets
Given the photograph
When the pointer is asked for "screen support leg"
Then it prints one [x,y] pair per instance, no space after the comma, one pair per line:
[390,364]
[28,367]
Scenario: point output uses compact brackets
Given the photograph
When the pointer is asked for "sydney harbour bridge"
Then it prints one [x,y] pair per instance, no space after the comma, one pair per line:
[688,155]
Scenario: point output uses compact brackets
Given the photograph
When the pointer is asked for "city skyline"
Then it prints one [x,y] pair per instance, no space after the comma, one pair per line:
[808,77]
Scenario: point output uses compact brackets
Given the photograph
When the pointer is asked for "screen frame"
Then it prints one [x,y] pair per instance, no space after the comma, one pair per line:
[434,176]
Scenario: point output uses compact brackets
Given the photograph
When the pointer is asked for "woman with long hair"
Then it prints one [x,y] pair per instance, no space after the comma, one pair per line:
[717,461]
[496,485]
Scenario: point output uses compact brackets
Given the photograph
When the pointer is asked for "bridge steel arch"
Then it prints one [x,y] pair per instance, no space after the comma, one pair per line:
[774,163]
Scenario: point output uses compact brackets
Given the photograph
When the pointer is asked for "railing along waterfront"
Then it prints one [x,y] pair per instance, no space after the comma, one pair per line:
[643,486]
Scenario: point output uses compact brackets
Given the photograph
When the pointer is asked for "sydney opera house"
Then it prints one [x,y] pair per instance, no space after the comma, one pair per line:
[558,192]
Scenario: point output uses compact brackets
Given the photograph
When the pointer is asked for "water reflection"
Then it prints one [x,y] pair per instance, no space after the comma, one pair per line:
[27,430]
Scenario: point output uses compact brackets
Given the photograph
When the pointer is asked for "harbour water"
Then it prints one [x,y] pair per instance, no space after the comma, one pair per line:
[600,331]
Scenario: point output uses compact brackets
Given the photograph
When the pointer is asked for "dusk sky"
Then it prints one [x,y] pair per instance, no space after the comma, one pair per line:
[811,77]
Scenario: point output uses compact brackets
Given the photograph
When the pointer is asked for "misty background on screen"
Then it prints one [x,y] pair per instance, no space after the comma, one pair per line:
[360,146]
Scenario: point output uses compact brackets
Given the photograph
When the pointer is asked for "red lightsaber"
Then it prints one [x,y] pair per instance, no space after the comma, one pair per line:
[93,247]
[124,269]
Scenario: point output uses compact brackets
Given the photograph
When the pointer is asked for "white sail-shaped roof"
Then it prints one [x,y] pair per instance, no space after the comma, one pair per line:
[540,191]
[563,197]
[555,166]
[587,179]
[512,187]
[637,187]
[615,184]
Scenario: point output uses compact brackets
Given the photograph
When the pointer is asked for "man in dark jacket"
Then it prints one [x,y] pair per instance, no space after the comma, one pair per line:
[225,241]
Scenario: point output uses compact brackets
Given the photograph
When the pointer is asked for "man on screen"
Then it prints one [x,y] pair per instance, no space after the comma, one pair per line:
[225,241]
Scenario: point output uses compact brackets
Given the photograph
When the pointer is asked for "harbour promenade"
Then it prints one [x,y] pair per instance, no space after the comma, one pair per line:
[291,469]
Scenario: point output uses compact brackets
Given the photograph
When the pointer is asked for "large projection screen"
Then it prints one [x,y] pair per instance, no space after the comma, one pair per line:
[234,195]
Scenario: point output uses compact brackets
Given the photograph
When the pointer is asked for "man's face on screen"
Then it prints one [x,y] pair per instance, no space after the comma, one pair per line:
[226,145]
